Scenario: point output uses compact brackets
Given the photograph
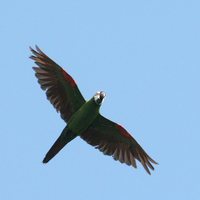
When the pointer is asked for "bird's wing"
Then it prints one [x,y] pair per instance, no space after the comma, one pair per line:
[61,89]
[112,139]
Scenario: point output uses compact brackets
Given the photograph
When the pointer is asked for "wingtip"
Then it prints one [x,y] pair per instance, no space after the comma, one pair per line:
[153,161]
[30,48]
[36,48]
[32,57]
[33,52]
[35,68]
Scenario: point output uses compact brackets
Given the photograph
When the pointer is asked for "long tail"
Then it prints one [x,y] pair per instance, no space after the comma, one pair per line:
[65,137]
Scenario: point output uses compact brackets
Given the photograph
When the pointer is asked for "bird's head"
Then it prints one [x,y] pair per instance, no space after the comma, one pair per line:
[99,97]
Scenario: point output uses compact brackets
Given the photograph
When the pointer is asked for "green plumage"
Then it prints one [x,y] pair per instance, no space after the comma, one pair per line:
[83,118]
[78,123]
[65,137]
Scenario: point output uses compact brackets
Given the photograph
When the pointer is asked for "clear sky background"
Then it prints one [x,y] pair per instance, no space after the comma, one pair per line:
[146,56]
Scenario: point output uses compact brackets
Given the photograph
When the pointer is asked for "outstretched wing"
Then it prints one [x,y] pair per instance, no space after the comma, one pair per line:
[112,139]
[61,89]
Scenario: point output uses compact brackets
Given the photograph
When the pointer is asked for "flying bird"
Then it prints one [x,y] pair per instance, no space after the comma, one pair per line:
[83,117]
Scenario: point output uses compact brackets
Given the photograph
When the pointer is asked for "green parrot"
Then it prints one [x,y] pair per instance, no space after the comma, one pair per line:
[83,118]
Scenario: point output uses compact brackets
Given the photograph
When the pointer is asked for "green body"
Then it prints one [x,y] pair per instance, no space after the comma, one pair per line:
[84,117]
[78,123]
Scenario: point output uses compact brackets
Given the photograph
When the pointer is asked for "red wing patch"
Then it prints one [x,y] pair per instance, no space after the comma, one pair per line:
[69,78]
[123,131]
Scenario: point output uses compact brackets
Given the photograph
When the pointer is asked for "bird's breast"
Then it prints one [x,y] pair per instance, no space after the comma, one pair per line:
[84,117]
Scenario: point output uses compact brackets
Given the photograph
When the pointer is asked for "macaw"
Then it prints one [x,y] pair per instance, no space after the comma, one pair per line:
[83,117]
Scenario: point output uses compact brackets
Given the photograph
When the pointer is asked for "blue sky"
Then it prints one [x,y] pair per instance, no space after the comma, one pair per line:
[144,54]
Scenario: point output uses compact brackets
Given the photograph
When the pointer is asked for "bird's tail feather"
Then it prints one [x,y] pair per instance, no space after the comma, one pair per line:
[65,137]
